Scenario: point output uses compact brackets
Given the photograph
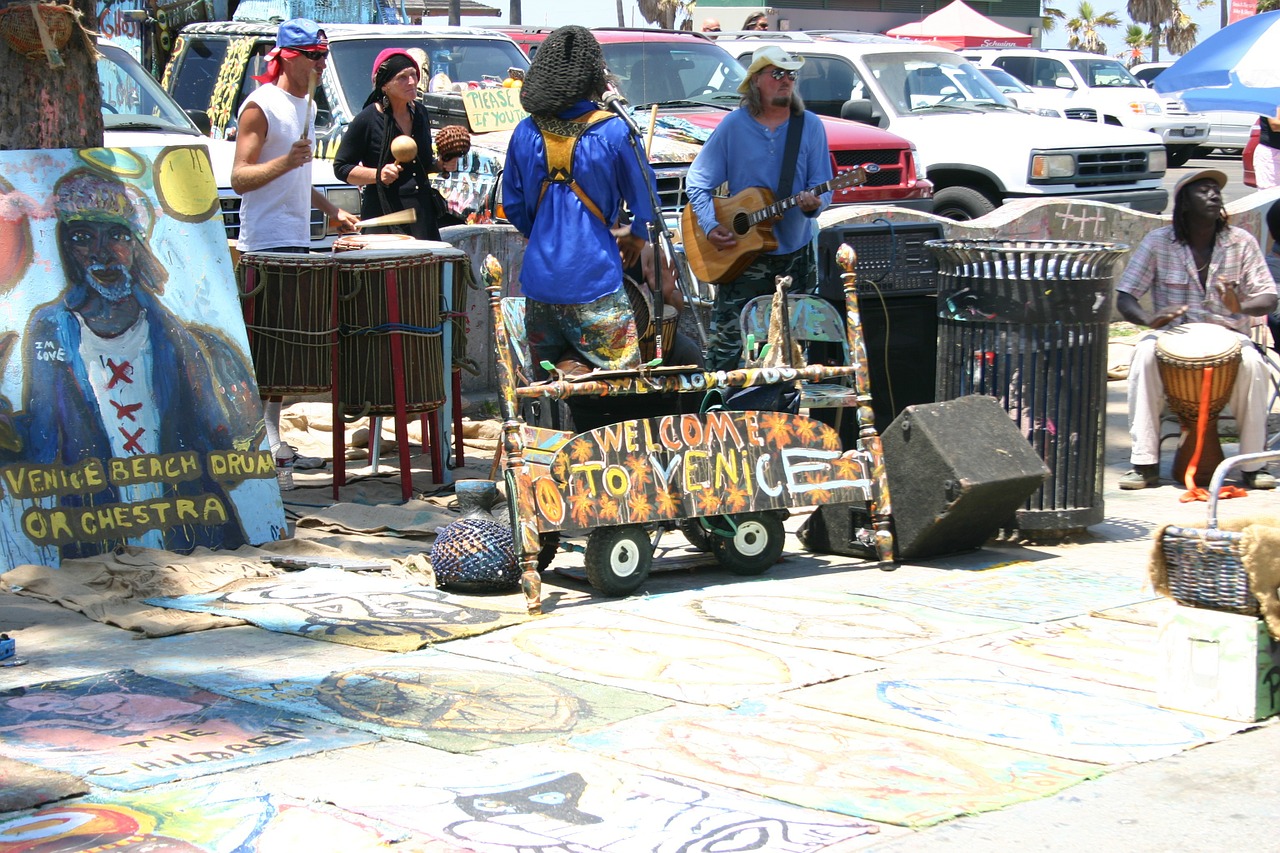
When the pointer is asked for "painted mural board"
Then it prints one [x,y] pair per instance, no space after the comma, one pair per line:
[129,409]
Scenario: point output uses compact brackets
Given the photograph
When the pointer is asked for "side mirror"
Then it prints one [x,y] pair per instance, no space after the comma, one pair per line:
[1064,82]
[859,110]
[201,120]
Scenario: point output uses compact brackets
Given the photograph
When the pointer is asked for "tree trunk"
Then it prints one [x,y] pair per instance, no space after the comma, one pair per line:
[1155,41]
[455,13]
[515,13]
[622,21]
[46,107]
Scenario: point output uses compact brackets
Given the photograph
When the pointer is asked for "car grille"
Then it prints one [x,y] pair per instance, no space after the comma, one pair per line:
[1106,166]
[888,159]
[231,219]
[671,194]
[1174,107]
[1082,113]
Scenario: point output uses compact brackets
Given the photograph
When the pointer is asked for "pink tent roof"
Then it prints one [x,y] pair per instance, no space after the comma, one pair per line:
[957,25]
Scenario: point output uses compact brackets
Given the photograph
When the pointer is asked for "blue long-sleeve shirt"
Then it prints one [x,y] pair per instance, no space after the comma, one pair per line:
[745,153]
[572,258]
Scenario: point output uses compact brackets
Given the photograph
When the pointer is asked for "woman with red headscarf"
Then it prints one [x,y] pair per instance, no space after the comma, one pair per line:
[364,157]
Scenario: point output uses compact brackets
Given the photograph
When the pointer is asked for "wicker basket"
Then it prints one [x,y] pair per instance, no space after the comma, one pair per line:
[1205,569]
[18,27]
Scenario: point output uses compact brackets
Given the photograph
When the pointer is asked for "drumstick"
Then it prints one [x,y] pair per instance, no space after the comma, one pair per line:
[311,96]
[653,125]
[400,217]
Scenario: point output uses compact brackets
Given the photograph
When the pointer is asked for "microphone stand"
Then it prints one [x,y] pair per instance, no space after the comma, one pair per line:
[614,101]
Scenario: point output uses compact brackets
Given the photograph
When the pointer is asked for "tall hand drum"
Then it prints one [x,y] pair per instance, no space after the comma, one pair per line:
[287,301]
[1183,355]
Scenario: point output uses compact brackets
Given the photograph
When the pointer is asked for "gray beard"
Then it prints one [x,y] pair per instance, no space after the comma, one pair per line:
[111,293]
[780,101]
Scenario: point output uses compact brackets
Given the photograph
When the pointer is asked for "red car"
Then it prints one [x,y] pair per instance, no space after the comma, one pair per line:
[693,80]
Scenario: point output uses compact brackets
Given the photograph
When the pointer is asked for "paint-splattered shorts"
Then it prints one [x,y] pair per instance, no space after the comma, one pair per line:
[602,332]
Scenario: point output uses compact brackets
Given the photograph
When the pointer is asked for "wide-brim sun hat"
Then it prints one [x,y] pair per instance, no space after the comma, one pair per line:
[768,55]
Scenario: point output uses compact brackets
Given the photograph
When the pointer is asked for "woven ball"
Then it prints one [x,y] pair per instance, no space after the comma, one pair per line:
[475,555]
[452,141]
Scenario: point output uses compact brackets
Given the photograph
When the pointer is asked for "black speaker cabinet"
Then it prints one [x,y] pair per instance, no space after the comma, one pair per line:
[958,472]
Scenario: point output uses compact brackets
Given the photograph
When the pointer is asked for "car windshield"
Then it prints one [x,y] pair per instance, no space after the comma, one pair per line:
[461,60]
[918,82]
[655,72]
[1004,81]
[1104,73]
[132,99]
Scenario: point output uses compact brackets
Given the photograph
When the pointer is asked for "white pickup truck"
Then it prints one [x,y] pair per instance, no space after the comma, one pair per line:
[1100,89]
[978,149]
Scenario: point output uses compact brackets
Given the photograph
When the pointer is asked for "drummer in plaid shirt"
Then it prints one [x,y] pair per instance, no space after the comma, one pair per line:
[1200,269]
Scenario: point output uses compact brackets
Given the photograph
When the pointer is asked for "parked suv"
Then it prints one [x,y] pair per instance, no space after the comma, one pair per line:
[1100,89]
[693,82]
[979,150]
[138,113]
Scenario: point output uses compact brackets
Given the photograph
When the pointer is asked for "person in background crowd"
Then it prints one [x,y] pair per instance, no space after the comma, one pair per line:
[711,25]
[1266,156]
[365,158]
[1200,269]
[1273,266]
[748,150]
[272,170]
[756,21]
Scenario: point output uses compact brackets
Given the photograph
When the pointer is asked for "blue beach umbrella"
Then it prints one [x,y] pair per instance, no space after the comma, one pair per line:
[1236,68]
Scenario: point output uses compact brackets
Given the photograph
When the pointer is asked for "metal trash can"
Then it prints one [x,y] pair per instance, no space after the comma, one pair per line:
[1026,322]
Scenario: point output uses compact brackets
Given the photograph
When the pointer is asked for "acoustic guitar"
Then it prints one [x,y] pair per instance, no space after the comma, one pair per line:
[749,214]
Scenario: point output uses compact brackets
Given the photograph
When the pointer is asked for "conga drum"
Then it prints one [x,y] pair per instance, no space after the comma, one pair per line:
[1184,354]
[287,302]
[642,305]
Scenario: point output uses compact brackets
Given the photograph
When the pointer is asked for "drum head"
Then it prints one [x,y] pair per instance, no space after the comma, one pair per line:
[1196,342]
[352,242]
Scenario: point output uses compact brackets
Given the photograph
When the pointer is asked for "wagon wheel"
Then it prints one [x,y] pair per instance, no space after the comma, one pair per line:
[757,543]
[699,537]
[618,559]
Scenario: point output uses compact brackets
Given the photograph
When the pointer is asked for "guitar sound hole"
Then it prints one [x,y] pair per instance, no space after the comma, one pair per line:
[741,224]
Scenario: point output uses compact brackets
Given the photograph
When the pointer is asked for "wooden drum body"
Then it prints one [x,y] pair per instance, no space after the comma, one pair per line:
[1183,354]
[642,303]
[390,328]
[287,301]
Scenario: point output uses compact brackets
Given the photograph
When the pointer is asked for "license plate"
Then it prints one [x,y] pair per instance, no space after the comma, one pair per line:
[1190,131]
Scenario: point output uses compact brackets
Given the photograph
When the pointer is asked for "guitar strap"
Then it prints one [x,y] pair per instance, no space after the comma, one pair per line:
[790,154]
[559,138]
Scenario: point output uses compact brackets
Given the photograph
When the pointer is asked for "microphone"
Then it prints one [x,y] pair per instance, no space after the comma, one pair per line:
[617,102]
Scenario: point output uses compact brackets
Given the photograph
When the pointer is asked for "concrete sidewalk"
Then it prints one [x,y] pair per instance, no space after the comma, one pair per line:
[1216,796]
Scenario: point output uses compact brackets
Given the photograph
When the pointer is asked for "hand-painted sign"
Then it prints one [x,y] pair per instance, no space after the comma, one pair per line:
[129,410]
[684,466]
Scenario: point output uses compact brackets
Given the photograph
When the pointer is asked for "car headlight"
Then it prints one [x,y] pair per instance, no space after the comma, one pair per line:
[1158,160]
[1053,166]
[920,169]
[1048,112]
[1145,108]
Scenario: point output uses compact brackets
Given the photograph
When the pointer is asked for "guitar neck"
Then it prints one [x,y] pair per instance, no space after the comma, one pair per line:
[780,207]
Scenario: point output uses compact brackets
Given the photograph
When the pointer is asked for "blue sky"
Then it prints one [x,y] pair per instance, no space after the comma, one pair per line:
[603,13]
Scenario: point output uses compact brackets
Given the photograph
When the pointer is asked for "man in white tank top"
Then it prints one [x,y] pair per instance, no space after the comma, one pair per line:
[272,171]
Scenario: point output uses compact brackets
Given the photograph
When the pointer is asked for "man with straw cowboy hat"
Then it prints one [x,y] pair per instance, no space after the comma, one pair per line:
[272,168]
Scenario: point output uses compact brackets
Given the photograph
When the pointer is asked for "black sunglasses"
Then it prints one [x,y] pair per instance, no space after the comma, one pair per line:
[313,55]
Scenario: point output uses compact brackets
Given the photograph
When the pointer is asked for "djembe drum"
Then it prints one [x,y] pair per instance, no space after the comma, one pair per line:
[354,242]
[642,305]
[287,302]
[1183,355]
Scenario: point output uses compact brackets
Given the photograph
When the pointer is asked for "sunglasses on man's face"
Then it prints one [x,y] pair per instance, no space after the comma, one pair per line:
[314,55]
[779,74]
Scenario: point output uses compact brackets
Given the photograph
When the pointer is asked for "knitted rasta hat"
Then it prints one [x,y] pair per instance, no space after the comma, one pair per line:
[568,67]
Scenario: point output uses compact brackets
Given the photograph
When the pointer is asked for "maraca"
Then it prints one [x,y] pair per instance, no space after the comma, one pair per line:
[404,148]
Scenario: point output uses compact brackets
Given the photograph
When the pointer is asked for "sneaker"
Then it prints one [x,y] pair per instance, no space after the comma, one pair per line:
[1141,477]
[1258,480]
[300,462]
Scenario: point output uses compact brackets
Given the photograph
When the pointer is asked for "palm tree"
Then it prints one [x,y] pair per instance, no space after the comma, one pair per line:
[1154,13]
[1182,32]
[1084,29]
[1050,17]
[1136,40]
[1268,6]
[664,12]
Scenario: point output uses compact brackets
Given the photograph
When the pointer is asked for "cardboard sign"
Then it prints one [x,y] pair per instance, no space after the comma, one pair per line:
[493,109]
